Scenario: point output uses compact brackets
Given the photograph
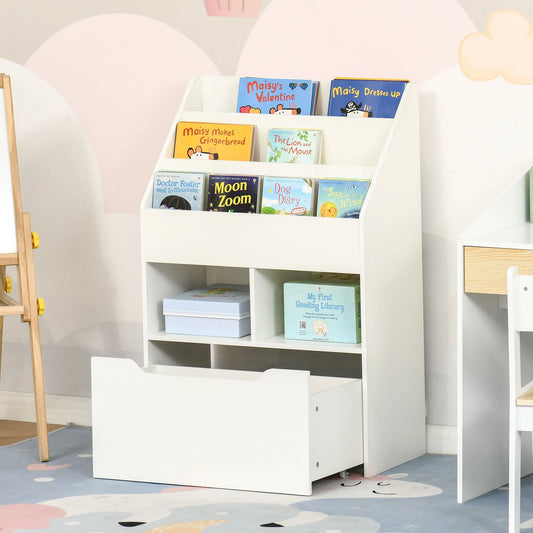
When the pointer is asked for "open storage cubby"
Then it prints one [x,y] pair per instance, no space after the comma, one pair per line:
[372,392]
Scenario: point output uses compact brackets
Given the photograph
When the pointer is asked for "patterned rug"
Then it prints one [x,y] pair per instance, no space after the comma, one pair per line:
[62,496]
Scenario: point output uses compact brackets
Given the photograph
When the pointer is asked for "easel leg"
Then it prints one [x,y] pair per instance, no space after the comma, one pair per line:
[37,364]
[38,389]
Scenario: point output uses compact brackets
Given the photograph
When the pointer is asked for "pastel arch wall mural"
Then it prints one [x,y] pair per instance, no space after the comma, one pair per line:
[94,103]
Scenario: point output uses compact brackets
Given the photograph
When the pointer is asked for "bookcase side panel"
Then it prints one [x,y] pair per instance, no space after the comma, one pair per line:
[219,94]
[392,305]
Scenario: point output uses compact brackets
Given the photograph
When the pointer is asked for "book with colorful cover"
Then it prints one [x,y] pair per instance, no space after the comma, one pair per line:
[360,98]
[211,141]
[294,145]
[233,193]
[179,190]
[341,198]
[287,196]
[277,96]
[326,309]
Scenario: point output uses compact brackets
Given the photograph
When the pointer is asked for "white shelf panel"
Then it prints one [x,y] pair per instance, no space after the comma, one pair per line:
[250,240]
[200,339]
[277,342]
[341,142]
[280,342]
[518,236]
[262,168]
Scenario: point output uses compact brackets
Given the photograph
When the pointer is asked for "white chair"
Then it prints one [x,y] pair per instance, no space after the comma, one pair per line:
[520,319]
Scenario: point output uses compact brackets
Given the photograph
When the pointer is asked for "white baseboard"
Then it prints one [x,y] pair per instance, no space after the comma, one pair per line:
[77,410]
[441,439]
[59,409]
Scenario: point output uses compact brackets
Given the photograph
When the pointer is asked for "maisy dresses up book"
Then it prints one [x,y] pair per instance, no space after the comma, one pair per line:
[361,98]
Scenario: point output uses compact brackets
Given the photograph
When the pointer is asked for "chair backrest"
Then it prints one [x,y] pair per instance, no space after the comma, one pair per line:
[520,301]
[520,319]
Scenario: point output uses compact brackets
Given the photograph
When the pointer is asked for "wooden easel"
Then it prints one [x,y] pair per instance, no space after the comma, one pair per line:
[29,307]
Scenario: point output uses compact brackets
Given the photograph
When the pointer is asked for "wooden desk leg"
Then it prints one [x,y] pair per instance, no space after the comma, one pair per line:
[37,365]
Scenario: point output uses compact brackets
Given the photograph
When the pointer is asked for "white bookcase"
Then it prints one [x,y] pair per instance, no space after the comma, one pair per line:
[315,408]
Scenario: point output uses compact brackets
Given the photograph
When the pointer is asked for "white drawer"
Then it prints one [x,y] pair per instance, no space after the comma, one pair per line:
[272,431]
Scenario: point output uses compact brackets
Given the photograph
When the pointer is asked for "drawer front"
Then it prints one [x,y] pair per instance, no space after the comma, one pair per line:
[222,428]
[485,269]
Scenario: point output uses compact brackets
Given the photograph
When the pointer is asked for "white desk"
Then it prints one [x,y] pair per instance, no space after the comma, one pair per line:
[501,237]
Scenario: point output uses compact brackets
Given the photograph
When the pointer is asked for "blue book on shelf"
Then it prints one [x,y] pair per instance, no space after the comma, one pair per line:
[179,190]
[277,96]
[361,98]
[341,198]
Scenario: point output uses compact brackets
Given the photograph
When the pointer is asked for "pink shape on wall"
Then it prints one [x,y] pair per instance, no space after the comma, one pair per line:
[232,8]
[355,38]
[124,76]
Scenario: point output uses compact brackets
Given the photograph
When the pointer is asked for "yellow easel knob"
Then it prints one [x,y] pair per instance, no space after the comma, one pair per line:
[40,306]
[8,285]
[34,240]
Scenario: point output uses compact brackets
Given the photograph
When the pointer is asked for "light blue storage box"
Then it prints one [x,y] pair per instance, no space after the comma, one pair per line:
[219,310]
[323,308]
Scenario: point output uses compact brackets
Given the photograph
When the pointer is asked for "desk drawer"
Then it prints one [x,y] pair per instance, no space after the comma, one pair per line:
[485,269]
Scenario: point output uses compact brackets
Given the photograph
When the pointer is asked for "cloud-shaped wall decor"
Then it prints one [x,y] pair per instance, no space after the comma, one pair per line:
[504,49]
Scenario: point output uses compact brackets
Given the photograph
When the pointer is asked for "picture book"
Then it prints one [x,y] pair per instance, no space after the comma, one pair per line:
[233,193]
[179,190]
[211,141]
[294,146]
[287,196]
[326,309]
[277,96]
[338,198]
[359,98]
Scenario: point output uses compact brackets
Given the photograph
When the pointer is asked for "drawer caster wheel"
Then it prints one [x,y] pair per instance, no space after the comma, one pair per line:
[344,474]
[8,285]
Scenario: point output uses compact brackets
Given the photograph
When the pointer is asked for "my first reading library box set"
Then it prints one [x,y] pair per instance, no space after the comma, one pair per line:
[199,403]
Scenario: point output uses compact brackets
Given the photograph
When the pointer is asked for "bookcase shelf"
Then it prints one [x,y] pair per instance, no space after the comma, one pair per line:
[276,342]
[374,389]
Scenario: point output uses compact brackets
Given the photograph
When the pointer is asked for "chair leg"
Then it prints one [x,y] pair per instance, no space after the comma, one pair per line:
[515,450]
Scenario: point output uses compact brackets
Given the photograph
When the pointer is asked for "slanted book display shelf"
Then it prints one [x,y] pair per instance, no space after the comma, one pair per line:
[261,412]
